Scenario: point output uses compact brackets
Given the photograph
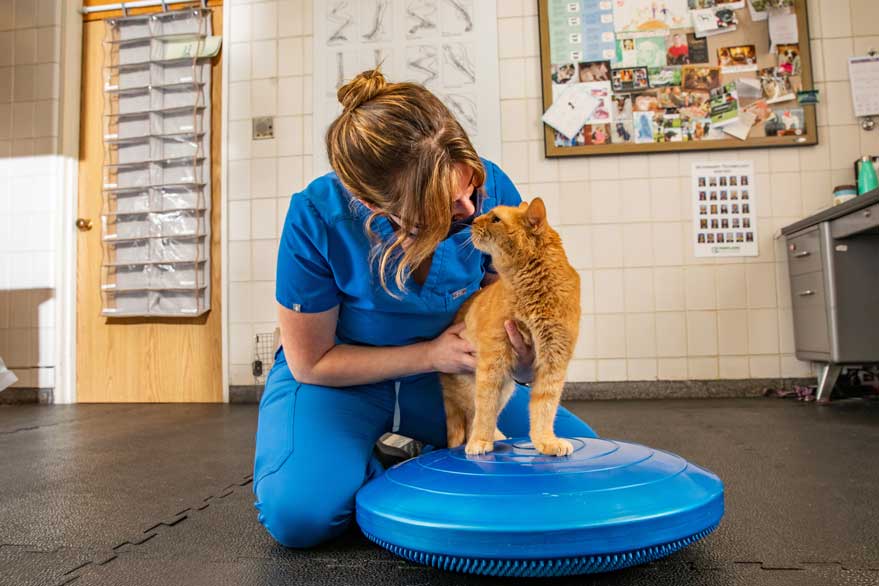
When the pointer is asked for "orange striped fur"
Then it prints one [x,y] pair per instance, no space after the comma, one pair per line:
[540,291]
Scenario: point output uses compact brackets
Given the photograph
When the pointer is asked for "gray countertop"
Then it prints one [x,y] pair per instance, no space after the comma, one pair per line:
[848,207]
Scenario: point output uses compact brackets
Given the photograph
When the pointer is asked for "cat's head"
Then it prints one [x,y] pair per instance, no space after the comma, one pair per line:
[510,234]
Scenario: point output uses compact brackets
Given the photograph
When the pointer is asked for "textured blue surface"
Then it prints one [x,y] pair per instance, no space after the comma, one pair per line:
[609,505]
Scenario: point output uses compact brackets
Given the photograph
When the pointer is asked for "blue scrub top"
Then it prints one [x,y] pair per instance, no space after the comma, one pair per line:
[323,261]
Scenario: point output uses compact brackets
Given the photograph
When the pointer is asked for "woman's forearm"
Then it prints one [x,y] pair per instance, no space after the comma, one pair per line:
[345,365]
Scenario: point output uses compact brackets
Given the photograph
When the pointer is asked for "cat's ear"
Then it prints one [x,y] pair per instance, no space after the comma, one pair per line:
[536,214]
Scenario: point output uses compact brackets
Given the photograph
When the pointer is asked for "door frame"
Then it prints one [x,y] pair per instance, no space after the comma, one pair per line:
[68,188]
[65,391]
[224,199]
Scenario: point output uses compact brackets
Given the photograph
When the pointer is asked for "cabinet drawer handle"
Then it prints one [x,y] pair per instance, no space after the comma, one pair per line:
[806,293]
[802,254]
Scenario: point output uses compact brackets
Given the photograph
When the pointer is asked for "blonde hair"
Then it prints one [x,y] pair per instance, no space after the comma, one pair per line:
[395,147]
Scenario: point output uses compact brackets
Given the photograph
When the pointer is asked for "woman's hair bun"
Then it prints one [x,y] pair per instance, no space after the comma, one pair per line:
[364,87]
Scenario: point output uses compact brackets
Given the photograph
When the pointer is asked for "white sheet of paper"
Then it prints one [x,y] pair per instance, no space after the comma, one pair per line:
[783,28]
[864,75]
[741,126]
[571,110]
[749,88]
[180,49]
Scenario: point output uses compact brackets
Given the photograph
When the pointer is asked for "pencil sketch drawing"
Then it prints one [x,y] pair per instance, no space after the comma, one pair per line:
[458,65]
[421,18]
[457,17]
[421,64]
[339,18]
[376,20]
[464,109]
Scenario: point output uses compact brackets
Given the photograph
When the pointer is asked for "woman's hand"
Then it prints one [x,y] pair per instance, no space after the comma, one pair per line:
[523,370]
[450,353]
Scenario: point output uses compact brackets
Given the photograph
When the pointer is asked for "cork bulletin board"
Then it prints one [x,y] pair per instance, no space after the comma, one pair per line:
[647,76]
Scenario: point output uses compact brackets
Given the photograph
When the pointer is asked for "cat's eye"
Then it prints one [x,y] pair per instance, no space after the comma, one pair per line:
[495,219]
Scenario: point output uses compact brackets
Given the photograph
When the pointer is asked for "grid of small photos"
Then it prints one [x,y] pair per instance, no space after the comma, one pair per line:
[673,71]
[725,214]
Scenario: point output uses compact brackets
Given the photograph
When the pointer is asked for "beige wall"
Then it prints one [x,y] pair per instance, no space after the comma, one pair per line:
[31,179]
[651,309]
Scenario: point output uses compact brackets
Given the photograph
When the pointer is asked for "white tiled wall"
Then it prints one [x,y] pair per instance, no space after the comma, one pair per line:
[651,309]
[30,179]
[269,53]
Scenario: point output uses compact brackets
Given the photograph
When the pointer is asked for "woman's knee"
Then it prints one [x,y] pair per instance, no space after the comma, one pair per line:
[300,518]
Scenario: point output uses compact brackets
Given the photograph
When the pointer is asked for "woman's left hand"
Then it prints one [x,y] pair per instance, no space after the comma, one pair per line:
[523,370]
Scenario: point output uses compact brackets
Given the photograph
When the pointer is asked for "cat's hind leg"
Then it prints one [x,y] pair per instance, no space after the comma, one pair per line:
[458,400]
[506,393]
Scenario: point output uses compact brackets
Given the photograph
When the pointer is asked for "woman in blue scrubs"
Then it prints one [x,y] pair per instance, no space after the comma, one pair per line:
[373,263]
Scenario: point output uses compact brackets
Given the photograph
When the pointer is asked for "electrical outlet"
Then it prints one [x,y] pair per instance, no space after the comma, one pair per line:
[263,127]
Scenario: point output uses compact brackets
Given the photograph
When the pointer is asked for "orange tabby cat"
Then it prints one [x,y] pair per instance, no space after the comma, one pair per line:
[540,291]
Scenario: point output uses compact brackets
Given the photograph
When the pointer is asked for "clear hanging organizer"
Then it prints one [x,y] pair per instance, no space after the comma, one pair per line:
[155,221]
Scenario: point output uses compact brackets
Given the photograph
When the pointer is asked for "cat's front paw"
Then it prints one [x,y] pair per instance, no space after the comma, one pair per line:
[553,446]
[477,447]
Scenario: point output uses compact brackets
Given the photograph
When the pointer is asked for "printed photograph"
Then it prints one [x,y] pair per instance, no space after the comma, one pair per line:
[597,134]
[790,122]
[563,73]
[761,111]
[622,106]
[646,102]
[777,87]
[594,71]
[630,79]
[668,128]
[664,76]
[789,59]
[698,50]
[627,55]
[696,105]
[697,78]
[644,127]
[563,141]
[677,50]
[737,59]
[623,131]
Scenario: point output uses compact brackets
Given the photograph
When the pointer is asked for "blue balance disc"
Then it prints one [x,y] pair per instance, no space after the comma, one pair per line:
[515,512]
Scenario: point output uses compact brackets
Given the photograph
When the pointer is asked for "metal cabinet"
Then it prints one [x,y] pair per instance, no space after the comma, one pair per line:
[833,261]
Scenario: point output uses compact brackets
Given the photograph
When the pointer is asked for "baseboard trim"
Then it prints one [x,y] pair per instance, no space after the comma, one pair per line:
[27,395]
[245,393]
[679,389]
[604,391]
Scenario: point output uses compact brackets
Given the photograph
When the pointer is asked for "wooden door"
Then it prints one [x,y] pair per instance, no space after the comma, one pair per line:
[139,360]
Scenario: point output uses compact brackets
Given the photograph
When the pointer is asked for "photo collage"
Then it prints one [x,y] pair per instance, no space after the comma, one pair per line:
[725,215]
[662,76]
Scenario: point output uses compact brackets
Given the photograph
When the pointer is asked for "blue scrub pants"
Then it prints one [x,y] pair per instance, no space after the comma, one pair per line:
[314,445]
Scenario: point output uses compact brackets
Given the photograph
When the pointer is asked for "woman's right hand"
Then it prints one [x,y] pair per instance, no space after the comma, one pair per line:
[449,353]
